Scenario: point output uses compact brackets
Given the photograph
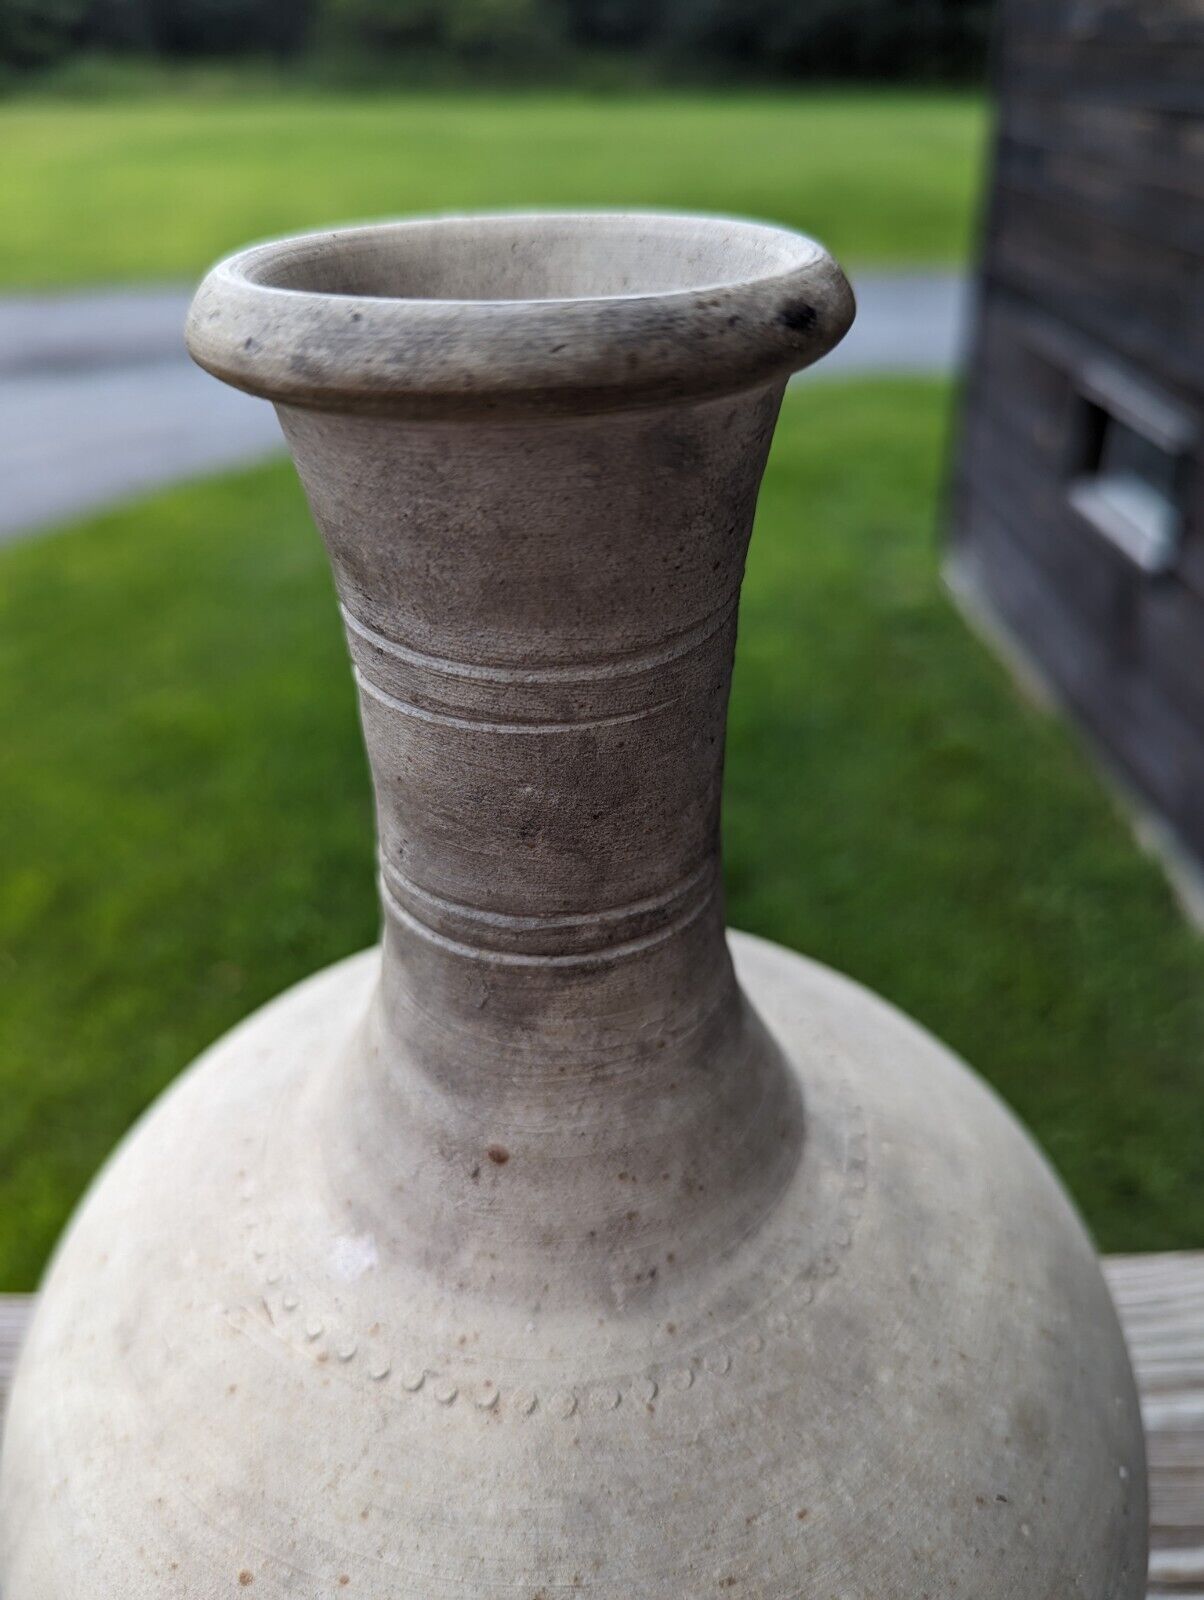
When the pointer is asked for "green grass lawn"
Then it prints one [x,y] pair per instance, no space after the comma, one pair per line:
[188,823]
[158,187]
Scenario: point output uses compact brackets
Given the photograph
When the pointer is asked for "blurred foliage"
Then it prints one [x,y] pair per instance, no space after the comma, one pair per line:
[196,27]
[33,32]
[838,38]
[462,29]
[885,39]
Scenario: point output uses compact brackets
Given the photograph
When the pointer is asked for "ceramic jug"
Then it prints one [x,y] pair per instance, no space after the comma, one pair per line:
[565,1243]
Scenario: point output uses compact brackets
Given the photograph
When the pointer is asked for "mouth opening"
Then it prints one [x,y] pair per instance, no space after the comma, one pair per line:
[517,258]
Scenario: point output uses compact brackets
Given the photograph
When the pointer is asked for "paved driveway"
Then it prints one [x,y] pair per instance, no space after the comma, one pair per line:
[98,401]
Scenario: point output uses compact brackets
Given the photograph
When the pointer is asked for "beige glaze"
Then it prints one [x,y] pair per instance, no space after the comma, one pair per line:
[546,1250]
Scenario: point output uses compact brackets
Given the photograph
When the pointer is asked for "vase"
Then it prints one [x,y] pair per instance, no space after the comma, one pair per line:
[564,1243]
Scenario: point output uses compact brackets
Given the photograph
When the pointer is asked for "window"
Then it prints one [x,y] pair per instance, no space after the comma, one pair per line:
[1129,475]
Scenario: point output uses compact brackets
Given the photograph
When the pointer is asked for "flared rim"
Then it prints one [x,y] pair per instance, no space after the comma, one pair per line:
[502,314]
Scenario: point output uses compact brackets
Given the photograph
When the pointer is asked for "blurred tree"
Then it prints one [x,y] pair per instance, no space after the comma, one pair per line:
[615,24]
[35,32]
[229,27]
[117,25]
[459,28]
[795,39]
[834,38]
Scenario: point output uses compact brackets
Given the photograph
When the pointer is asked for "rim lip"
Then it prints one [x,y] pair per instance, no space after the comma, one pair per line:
[435,356]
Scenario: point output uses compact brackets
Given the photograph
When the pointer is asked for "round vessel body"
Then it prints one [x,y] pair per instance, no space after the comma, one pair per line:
[908,1379]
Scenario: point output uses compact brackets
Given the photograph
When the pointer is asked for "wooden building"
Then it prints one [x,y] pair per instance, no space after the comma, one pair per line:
[1078,497]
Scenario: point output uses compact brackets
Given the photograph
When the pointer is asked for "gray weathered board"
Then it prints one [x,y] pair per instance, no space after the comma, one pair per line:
[1161,1303]
[1087,314]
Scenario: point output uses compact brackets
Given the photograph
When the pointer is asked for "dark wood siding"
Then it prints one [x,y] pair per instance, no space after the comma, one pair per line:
[1093,262]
